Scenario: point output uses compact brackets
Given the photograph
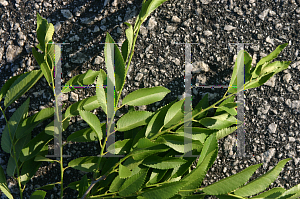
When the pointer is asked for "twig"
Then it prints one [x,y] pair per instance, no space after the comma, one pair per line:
[92,185]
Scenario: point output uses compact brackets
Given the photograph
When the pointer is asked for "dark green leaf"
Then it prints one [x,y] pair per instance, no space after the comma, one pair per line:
[3,184]
[86,164]
[39,194]
[21,86]
[133,119]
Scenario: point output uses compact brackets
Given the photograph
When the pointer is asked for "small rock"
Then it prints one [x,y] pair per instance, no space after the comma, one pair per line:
[12,53]
[139,76]
[170,28]
[67,14]
[205,1]
[287,77]
[151,23]
[73,97]
[272,127]
[269,40]
[264,14]
[96,29]
[229,27]
[4,3]
[175,19]
[98,60]
[207,33]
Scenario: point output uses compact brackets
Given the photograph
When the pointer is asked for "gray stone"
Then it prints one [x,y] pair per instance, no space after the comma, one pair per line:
[67,14]
[229,27]
[263,14]
[272,128]
[12,52]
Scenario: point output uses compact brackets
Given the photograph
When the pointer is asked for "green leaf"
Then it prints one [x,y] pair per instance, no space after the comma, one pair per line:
[116,184]
[21,86]
[145,96]
[157,121]
[46,71]
[146,143]
[87,104]
[175,114]
[233,81]
[199,134]
[93,122]
[35,146]
[259,81]
[50,127]
[273,193]
[119,67]
[30,123]
[124,172]
[148,7]
[156,176]
[85,135]
[230,108]
[83,186]
[263,182]
[182,169]
[195,177]
[13,123]
[231,183]
[203,104]
[39,194]
[86,164]
[292,193]
[133,120]
[100,92]
[7,85]
[166,190]
[84,79]
[134,183]
[217,122]
[30,167]
[224,132]
[19,144]
[129,34]
[3,184]
[48,186]
[39,57]
[120,147]
[143,153]
[210,145]
[40,158]
[231,99]
[268,59]
[44,31]
[157,162]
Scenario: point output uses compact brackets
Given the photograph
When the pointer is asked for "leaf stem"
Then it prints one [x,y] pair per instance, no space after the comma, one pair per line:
[180,123]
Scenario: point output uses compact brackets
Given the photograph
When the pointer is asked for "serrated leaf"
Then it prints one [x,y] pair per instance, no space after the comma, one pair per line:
[166,190]
[134,183]
[198,133]
[195,177]
[120,147]
[84,79]
[231,183]
[30,123]
[40,158]
[7,85]
[132,120]
[146,143]
[30,167]
[21,86]
[263,182]
[93,122]
[124,172]
[175,114]
[224,132]
[273,193]
[39,194]
[157,121]
[85,135]
[203,104]
[145,96]
[157,162]
[268,58]
[13,123]
[143,153]
[87,104]
[156,176]
[83,186]
[217,122]
[3,184]
[100,92]
[86,164]
[210,144]
[116,184]
[292,193]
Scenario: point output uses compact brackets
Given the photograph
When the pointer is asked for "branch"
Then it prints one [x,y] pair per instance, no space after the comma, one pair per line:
[92,185]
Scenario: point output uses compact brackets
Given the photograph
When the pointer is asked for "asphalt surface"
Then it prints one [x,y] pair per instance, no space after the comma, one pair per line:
[271,111]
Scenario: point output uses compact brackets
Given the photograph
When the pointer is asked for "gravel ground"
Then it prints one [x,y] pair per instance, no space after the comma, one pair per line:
[271,111]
